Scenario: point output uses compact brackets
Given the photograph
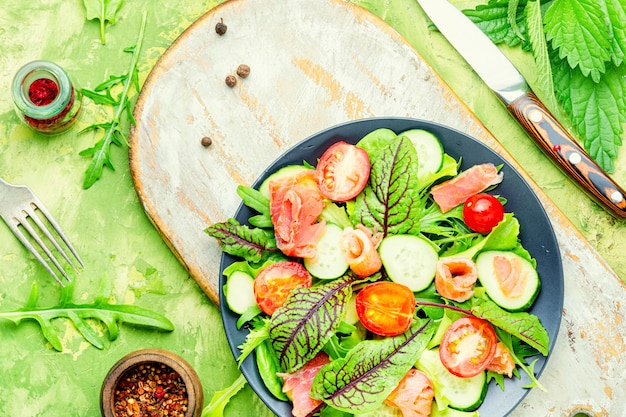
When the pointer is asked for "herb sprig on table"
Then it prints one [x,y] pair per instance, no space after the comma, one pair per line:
[79,314]
[123,107]
[104,11]
[579,47]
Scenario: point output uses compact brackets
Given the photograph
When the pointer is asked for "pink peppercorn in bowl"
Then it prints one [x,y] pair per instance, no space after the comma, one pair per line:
[151,382]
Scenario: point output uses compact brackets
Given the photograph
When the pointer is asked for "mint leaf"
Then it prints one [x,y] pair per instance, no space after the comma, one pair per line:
[579,30]
[616,9]
[360,382]
[540,51]
[390,203]
[308,319]
[240,240]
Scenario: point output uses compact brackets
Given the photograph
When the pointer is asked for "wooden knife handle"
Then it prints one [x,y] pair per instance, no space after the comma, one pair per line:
[568,155]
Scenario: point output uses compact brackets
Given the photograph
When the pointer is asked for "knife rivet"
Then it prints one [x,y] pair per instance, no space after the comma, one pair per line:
[575,158]
[617,197]
[535,116]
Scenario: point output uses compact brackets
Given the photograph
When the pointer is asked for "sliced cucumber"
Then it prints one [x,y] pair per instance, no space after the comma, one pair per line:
[351,316]
[464,394]
[489,279]
[239,290]
[285,172]
[330,261]
[429,150]
[409,260]
[451,412]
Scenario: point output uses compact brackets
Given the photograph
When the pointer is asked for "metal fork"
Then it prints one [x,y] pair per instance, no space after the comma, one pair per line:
[17,205]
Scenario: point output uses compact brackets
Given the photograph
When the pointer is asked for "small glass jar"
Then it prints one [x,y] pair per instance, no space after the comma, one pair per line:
[45,97]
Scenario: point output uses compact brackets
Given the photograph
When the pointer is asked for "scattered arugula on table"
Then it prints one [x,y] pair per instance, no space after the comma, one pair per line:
[579,47]
[123,106]
[79,314]
[104,11]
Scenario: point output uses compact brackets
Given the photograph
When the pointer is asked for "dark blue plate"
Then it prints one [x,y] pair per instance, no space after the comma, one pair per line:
[536,235]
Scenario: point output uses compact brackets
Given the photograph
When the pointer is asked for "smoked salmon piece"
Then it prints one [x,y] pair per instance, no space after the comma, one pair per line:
[474,180]
[298,385]
[360,246]
[455,278]
[413,396]
[511,275]
[294,209]
[502,362]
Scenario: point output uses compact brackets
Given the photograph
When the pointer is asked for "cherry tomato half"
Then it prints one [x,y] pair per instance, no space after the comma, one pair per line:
[275,282]
[482,212]
[342,172]
[385,308]
[468,346]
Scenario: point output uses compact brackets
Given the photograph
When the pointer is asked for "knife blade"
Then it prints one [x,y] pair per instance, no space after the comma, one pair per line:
[501,76]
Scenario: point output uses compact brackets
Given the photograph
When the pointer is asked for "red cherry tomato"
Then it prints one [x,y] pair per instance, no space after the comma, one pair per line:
[275,282]
[482,212]
[385,308]
[468,346]
[342,172]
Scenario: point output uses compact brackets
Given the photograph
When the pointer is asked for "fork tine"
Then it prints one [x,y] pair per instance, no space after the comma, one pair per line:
[39,205]
[37,238]
[20,236]
[33,215]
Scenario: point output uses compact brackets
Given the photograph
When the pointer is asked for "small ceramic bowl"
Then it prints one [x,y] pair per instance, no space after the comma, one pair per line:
[150,378]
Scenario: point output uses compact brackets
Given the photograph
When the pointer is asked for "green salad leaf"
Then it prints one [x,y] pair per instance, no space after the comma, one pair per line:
[236,239]
[215,407]
[80,314]
[104,11]
[308,319]
[360,382]
[390,202]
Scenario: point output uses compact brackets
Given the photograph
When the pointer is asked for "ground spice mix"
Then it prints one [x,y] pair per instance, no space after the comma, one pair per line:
[150,389]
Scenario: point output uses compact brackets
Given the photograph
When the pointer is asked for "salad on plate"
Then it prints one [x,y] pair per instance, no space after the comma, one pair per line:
[384,280]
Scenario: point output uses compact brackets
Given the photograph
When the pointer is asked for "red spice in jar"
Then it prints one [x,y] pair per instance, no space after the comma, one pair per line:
[47,124]
[150,390]
[43,91]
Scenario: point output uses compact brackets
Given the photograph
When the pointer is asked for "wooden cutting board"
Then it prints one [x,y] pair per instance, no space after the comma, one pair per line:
[314,64]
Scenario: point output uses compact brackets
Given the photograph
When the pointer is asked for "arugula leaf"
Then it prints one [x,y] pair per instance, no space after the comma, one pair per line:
[100,153]
[579,30]
[523,325]
[215,407]
[100,309]
[360,382]
[103,10]
[388,202]
[308,319]
[236,239]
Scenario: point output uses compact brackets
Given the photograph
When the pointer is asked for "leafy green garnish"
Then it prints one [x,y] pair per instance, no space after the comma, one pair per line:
[360,382]
[586,43]
[251,244]
[104,11]
[109,314]
[308,319]
[215,407]
[113,131]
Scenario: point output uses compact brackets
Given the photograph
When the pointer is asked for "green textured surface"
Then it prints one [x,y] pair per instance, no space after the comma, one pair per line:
[117,241]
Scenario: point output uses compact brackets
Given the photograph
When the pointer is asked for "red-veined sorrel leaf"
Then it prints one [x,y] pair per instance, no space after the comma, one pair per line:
[361,381]
[307,320]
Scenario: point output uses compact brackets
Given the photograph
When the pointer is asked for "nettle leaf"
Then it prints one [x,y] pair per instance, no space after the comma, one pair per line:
[540,52]
[495,20]
[307,320]
[523,325]
[391,201]
[597,109]
[360,382]
[240,240]
[616,9]
[580,30]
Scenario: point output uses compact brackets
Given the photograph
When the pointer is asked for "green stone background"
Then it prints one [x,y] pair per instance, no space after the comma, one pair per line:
[113,234]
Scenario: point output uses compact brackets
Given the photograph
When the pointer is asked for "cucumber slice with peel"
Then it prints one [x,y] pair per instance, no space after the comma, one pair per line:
[429,150]
[330,261]
[409,260]
[239,291]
